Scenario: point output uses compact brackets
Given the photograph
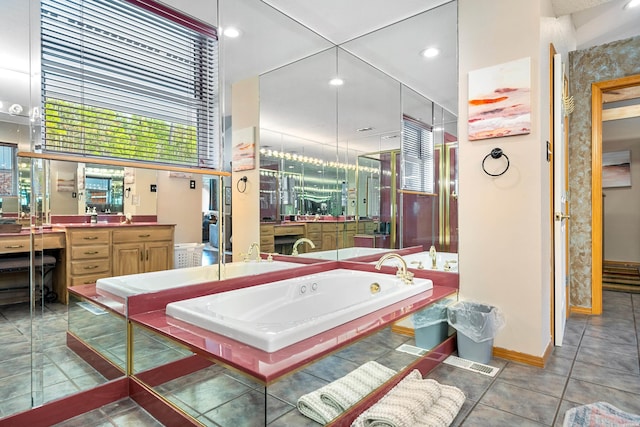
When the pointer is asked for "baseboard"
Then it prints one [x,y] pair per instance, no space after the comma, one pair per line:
[581,310]
[402,330]
[528,359]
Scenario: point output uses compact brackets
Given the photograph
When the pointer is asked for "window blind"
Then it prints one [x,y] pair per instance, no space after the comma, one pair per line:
[417,156]
[120,81]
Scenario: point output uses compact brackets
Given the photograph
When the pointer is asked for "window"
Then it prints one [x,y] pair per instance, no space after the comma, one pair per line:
[417,156]
[123,82]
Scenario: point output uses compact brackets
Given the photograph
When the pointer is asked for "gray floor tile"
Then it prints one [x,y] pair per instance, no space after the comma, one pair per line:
[565,405]
[584,392]
[205,395]
[486,416]
[606,377]
[535,379]
[608,359]
[528,404]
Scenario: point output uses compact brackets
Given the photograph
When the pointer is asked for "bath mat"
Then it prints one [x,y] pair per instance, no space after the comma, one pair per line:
[601,414]
[414,402]
[329,401]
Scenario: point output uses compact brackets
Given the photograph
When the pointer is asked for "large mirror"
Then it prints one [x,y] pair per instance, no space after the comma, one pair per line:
[341,150]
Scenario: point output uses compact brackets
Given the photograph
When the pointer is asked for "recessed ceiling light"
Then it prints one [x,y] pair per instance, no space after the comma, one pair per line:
[430,52]
[337,81]
[632,3]
[231,32]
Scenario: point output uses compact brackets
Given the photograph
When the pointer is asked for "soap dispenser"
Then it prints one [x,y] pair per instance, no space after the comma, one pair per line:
[94,216]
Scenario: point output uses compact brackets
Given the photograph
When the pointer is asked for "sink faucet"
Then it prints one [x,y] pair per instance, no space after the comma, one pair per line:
[402,273]
[302,240]
[434,256]
[253,246]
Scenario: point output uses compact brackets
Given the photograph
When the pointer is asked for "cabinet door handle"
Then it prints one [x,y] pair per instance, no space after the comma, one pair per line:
[91,267]
[143,235]
[14,246]
[141,255]
[91,252]
[91,238]
[147,254]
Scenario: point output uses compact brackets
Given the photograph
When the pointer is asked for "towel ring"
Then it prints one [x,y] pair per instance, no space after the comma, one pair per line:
[496,153]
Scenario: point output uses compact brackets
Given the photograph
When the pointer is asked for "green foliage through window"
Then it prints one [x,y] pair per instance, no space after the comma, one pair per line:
[82,129]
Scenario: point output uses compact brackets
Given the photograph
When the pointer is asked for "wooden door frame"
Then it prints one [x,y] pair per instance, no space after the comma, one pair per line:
[596,182]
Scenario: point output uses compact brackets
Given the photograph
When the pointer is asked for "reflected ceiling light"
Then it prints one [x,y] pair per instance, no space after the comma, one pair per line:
[366,129]
[15,109]
[336,81]
[231,32]
[631,4]
[430,52]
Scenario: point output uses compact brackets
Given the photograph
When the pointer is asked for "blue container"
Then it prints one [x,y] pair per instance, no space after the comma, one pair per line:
[475,351]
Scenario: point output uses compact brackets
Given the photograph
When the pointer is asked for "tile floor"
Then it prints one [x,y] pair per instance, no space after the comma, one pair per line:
[598,362]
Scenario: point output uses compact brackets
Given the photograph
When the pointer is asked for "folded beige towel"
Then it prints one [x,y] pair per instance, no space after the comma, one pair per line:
[350,389]
[329,401]
[414,402]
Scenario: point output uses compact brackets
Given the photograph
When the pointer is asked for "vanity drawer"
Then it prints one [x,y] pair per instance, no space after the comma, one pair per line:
[88,237]
[350,226]
[143,234]
[266,230]
[90,252]
[265,241]
[316,237]
[90,267]
[14,244]
[86,279]
[289,230]
[314,228]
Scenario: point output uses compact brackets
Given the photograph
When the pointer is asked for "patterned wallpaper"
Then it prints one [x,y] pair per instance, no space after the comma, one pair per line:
[600,63]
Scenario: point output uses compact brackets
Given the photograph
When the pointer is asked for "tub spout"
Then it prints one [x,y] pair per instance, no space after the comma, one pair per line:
[302,240]
[434,256]
[253,246]
[402,273]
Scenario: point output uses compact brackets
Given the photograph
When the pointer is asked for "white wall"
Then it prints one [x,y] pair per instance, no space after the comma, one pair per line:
[245,110]
[504,221]
[180,205]
[622,209]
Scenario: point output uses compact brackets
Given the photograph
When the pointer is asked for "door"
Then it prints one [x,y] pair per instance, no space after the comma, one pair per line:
[128,258]
[157,256]
[560,203]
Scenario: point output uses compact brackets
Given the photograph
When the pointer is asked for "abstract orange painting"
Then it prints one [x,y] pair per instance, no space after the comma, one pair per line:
[500,100]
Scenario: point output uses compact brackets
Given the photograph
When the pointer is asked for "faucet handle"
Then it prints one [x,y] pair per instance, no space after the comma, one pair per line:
[408,277]
[420,266]
[245,257]
[270,257]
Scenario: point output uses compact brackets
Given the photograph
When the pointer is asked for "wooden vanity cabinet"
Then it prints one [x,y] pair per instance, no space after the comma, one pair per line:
[142,249]
[314,233]
[88,256]
[267,244]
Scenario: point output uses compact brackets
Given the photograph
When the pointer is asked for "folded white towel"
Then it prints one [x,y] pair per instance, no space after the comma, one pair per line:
[310,405]
[329,401]
[350,389]
[414,402]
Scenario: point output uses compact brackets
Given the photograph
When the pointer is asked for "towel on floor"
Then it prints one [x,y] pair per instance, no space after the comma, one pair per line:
[414,402]
[329,401]
[350,389]
[601,414]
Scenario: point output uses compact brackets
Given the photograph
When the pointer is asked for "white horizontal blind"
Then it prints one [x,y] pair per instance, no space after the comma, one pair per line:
[417,156]
[122,82]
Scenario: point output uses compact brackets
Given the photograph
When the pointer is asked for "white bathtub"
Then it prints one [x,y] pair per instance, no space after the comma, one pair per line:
[143,283]
[275,315]
[344,253]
